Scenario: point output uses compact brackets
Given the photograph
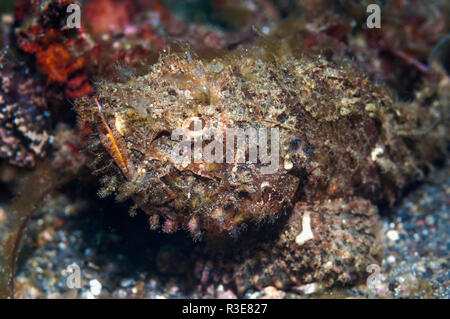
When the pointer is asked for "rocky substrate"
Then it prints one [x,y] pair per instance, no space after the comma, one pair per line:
[120,257]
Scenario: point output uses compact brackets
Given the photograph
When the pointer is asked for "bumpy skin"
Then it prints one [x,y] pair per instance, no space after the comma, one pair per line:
[342,138]
[338,138]
[323,242]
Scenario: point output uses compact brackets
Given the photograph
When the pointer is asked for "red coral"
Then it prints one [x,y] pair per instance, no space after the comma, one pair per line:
[59,53]
[57,63]
[78,86]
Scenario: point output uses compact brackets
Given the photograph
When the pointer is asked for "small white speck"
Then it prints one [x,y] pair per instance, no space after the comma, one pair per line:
[391,259]
[392,235]
[88,295]
[376,151]
[328,265]
[264,185]
[288,165]
[306,233]
[429,220]
[265,29]
[95,287]
[309,288]
[125,283]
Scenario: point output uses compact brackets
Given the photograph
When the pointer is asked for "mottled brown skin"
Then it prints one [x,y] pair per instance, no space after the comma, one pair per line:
[342,243]
[344,143]
[336,138]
